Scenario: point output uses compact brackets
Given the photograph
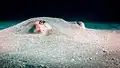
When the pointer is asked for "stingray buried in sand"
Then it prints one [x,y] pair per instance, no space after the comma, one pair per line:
[68,46]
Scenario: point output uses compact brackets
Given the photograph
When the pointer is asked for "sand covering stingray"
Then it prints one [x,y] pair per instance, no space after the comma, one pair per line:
[67,47]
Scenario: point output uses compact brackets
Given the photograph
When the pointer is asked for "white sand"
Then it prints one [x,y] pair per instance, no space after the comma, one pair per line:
[67,47]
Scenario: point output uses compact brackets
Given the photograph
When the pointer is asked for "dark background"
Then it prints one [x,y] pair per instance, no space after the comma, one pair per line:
[86,10]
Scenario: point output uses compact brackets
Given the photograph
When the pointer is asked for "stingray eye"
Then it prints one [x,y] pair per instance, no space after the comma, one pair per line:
[43,22]
[40,22]
[78,23]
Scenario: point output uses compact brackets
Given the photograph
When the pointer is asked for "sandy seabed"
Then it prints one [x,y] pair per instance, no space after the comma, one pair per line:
[67,47]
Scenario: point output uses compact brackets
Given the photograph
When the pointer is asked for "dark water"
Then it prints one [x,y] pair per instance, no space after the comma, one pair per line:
[93,25]
[6,24]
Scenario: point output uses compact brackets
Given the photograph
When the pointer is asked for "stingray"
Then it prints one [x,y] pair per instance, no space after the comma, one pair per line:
[68,46]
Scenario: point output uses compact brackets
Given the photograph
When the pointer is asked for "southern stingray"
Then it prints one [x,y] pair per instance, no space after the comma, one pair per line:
[68,46]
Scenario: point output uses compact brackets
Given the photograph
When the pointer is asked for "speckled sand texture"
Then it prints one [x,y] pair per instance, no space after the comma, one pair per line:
[67,47]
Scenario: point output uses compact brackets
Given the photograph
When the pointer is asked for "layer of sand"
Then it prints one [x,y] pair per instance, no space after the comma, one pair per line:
[67,47]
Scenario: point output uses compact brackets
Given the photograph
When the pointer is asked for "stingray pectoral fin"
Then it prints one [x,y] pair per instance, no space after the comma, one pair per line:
[48,26]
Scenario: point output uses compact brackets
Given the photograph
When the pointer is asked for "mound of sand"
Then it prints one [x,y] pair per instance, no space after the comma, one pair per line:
[67,47]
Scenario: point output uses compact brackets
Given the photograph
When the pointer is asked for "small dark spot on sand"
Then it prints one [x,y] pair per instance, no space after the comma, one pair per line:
[104,51]
[80,56]
[90,58]
[40,66]
[29,66]
[106,66]
[113,58]
[23,60]
[115,63]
